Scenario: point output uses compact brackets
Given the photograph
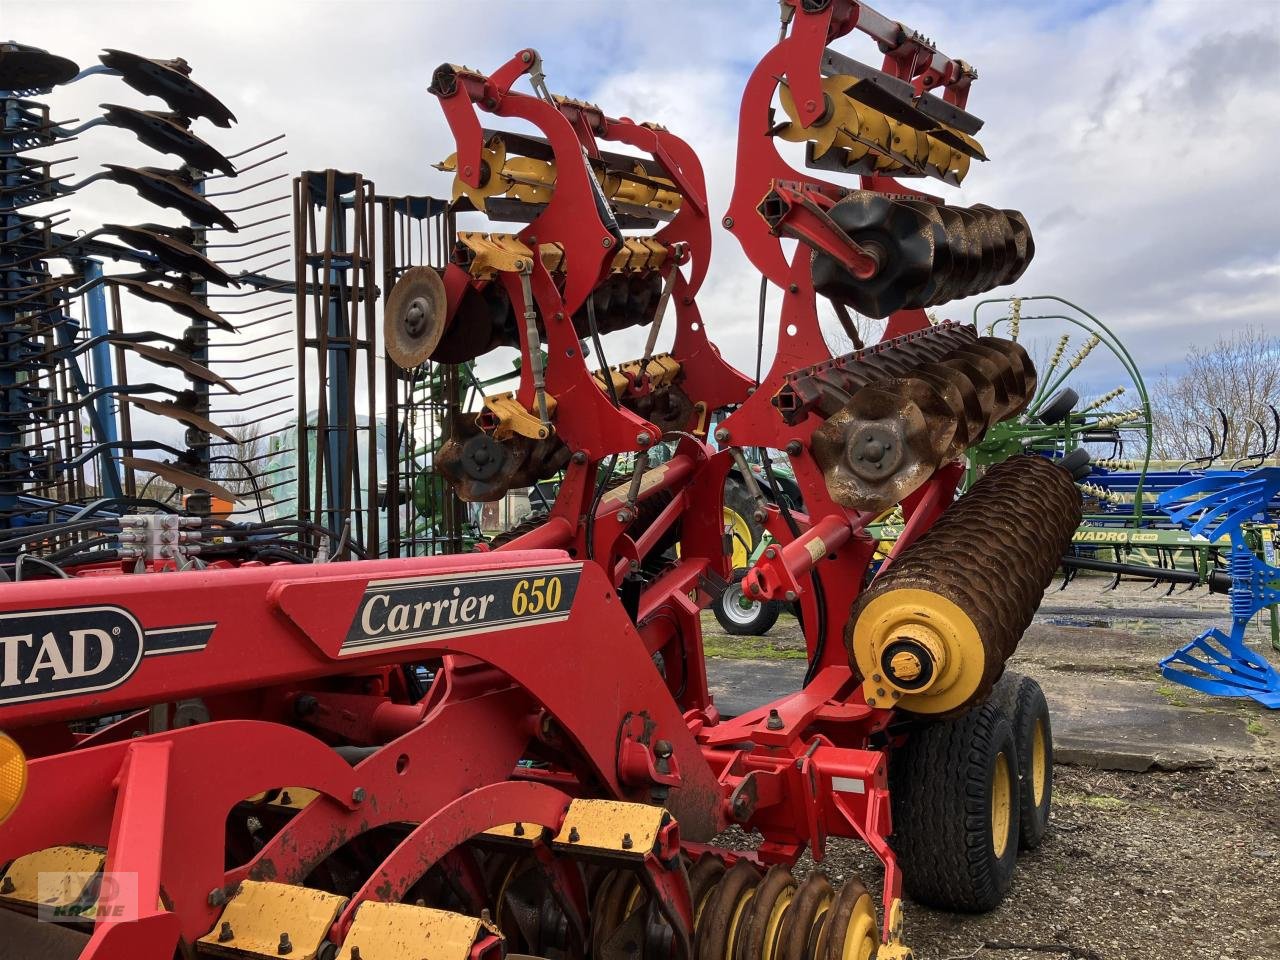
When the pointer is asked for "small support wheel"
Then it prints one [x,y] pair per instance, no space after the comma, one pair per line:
[954,791]
[742,616]
[740,523]
[1023,702]
[1058,407]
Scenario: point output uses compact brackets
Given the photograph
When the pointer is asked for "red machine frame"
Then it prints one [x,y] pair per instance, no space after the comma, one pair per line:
[280,689]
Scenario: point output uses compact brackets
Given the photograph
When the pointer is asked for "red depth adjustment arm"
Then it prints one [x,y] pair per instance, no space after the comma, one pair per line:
[800,212]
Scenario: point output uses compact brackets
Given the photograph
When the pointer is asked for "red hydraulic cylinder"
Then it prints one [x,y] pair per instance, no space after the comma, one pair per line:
[777,574]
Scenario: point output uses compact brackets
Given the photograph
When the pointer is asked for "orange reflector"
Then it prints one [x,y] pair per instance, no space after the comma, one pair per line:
[13,776]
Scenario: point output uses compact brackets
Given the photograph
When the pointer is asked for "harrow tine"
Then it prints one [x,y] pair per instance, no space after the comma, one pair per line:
[1173,565]
[1068,572]
[1155,580]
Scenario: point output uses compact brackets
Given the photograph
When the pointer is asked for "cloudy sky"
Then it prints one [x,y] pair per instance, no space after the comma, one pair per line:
[1139,138]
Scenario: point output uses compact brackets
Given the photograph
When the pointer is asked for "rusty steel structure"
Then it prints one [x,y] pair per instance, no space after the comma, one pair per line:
[515,749]
[335,286]
[423,515]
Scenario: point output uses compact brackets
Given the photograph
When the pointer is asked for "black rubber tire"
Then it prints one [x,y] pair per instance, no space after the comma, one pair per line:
[1059,406]
[738,499]
[1077,463]
[941,788]
[755,622]
[1023,702]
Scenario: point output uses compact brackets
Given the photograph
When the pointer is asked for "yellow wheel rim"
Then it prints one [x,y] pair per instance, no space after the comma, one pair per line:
[1001,804]
[862,938]
[738,528]
[735,922]
[774,926]
[1039,764]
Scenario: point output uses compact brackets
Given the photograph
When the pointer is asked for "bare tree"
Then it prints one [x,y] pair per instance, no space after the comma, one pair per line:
[868,330]
[238,467]
[1238,374]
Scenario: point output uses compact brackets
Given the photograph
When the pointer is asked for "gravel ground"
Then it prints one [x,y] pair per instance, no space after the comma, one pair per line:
[1172,866]
[1178,865]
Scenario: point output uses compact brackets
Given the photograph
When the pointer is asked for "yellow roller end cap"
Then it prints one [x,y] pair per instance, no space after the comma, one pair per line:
[918,651]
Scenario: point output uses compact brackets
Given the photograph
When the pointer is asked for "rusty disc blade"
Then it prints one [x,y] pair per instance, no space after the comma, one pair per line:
[477,467]
[1006,250]
[1026,246]
[413,322]
[952,430]
[962,222]
[179,477]
[943,262]
[998,371]
[1023,367]
[972,419]
[957,243]
[980,239]
[875,451]
[940,405]
[905,239]
[483,320]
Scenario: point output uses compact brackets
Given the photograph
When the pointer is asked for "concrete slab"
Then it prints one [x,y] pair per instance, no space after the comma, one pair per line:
[742,685]
[1098,665]
[1121,724]
[1107,722]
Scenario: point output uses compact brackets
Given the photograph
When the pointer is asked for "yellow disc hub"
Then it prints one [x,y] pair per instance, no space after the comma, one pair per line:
[1001,804]
[935,655]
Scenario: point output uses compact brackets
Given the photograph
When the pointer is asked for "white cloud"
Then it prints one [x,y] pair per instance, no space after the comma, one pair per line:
[1138,138]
